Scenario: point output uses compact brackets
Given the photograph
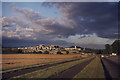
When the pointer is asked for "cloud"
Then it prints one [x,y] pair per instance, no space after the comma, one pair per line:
[25,25]
[31,22]
[87,40]
[78,23]
[93,17]
[15,42]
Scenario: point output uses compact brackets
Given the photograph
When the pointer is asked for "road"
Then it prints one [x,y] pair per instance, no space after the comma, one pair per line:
[111,67]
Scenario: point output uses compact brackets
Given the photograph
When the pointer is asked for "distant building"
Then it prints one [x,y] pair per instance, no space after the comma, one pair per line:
[54,47]
[73,48]
[40,48]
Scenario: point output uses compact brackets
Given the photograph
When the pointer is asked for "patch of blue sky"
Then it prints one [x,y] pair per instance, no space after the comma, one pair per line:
[6,9]
[35,6]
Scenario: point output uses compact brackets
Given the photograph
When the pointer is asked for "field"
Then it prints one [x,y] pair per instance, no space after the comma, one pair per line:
[50,71]
[57,66]
[10,61]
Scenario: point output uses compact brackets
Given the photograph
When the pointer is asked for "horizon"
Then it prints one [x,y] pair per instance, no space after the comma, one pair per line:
[84,24]
[54,44]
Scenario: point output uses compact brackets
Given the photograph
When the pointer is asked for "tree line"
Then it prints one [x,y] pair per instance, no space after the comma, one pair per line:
[113,48]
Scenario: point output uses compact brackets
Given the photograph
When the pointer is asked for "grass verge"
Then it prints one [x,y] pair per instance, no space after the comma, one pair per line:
[50,71]
[92,70]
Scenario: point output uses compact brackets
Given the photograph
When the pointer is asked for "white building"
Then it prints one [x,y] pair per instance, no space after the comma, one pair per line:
[73,48]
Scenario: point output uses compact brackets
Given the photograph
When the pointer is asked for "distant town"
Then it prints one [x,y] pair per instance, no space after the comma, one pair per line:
[43,49]
[56,49]
[52,49]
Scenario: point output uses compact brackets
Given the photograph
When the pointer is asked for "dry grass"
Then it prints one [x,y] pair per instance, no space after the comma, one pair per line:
[50,71]
[17,60]
[92,70]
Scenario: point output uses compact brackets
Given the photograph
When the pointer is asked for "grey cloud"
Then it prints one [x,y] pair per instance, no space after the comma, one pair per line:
[28,13]
[48,24]
[15,42]
[78,18]
[96,17]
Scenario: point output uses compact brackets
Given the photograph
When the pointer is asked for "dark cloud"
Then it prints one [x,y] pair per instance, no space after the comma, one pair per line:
[15,42]
[78,18]
[97,17]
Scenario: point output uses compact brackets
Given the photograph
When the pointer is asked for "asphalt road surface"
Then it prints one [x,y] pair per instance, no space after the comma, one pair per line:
[111,66]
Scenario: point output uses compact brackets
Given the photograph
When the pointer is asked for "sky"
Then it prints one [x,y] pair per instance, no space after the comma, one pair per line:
[85,24]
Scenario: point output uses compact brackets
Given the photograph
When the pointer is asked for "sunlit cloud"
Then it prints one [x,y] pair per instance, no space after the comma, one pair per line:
[81,24]
[87,40]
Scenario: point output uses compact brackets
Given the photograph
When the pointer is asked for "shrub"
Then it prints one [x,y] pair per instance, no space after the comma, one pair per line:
[40,52]
[34,52]
[46,52]
[19,51]
[74,52]
[67,52]
[59,52]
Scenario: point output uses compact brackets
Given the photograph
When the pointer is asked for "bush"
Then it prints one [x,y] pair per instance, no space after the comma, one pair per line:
[19,51]
[67,52]
[74,52]
[59,52]
[11,51]
[46,52]
[34,52]
[40,52]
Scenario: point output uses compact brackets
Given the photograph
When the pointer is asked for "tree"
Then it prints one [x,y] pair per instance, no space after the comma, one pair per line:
[98,51]
[11,51]
[59,52]
[74,52]
[46,52]
[108,49]
[19,51]
[40,52]
[67,52]
[116,47]
[34,52]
